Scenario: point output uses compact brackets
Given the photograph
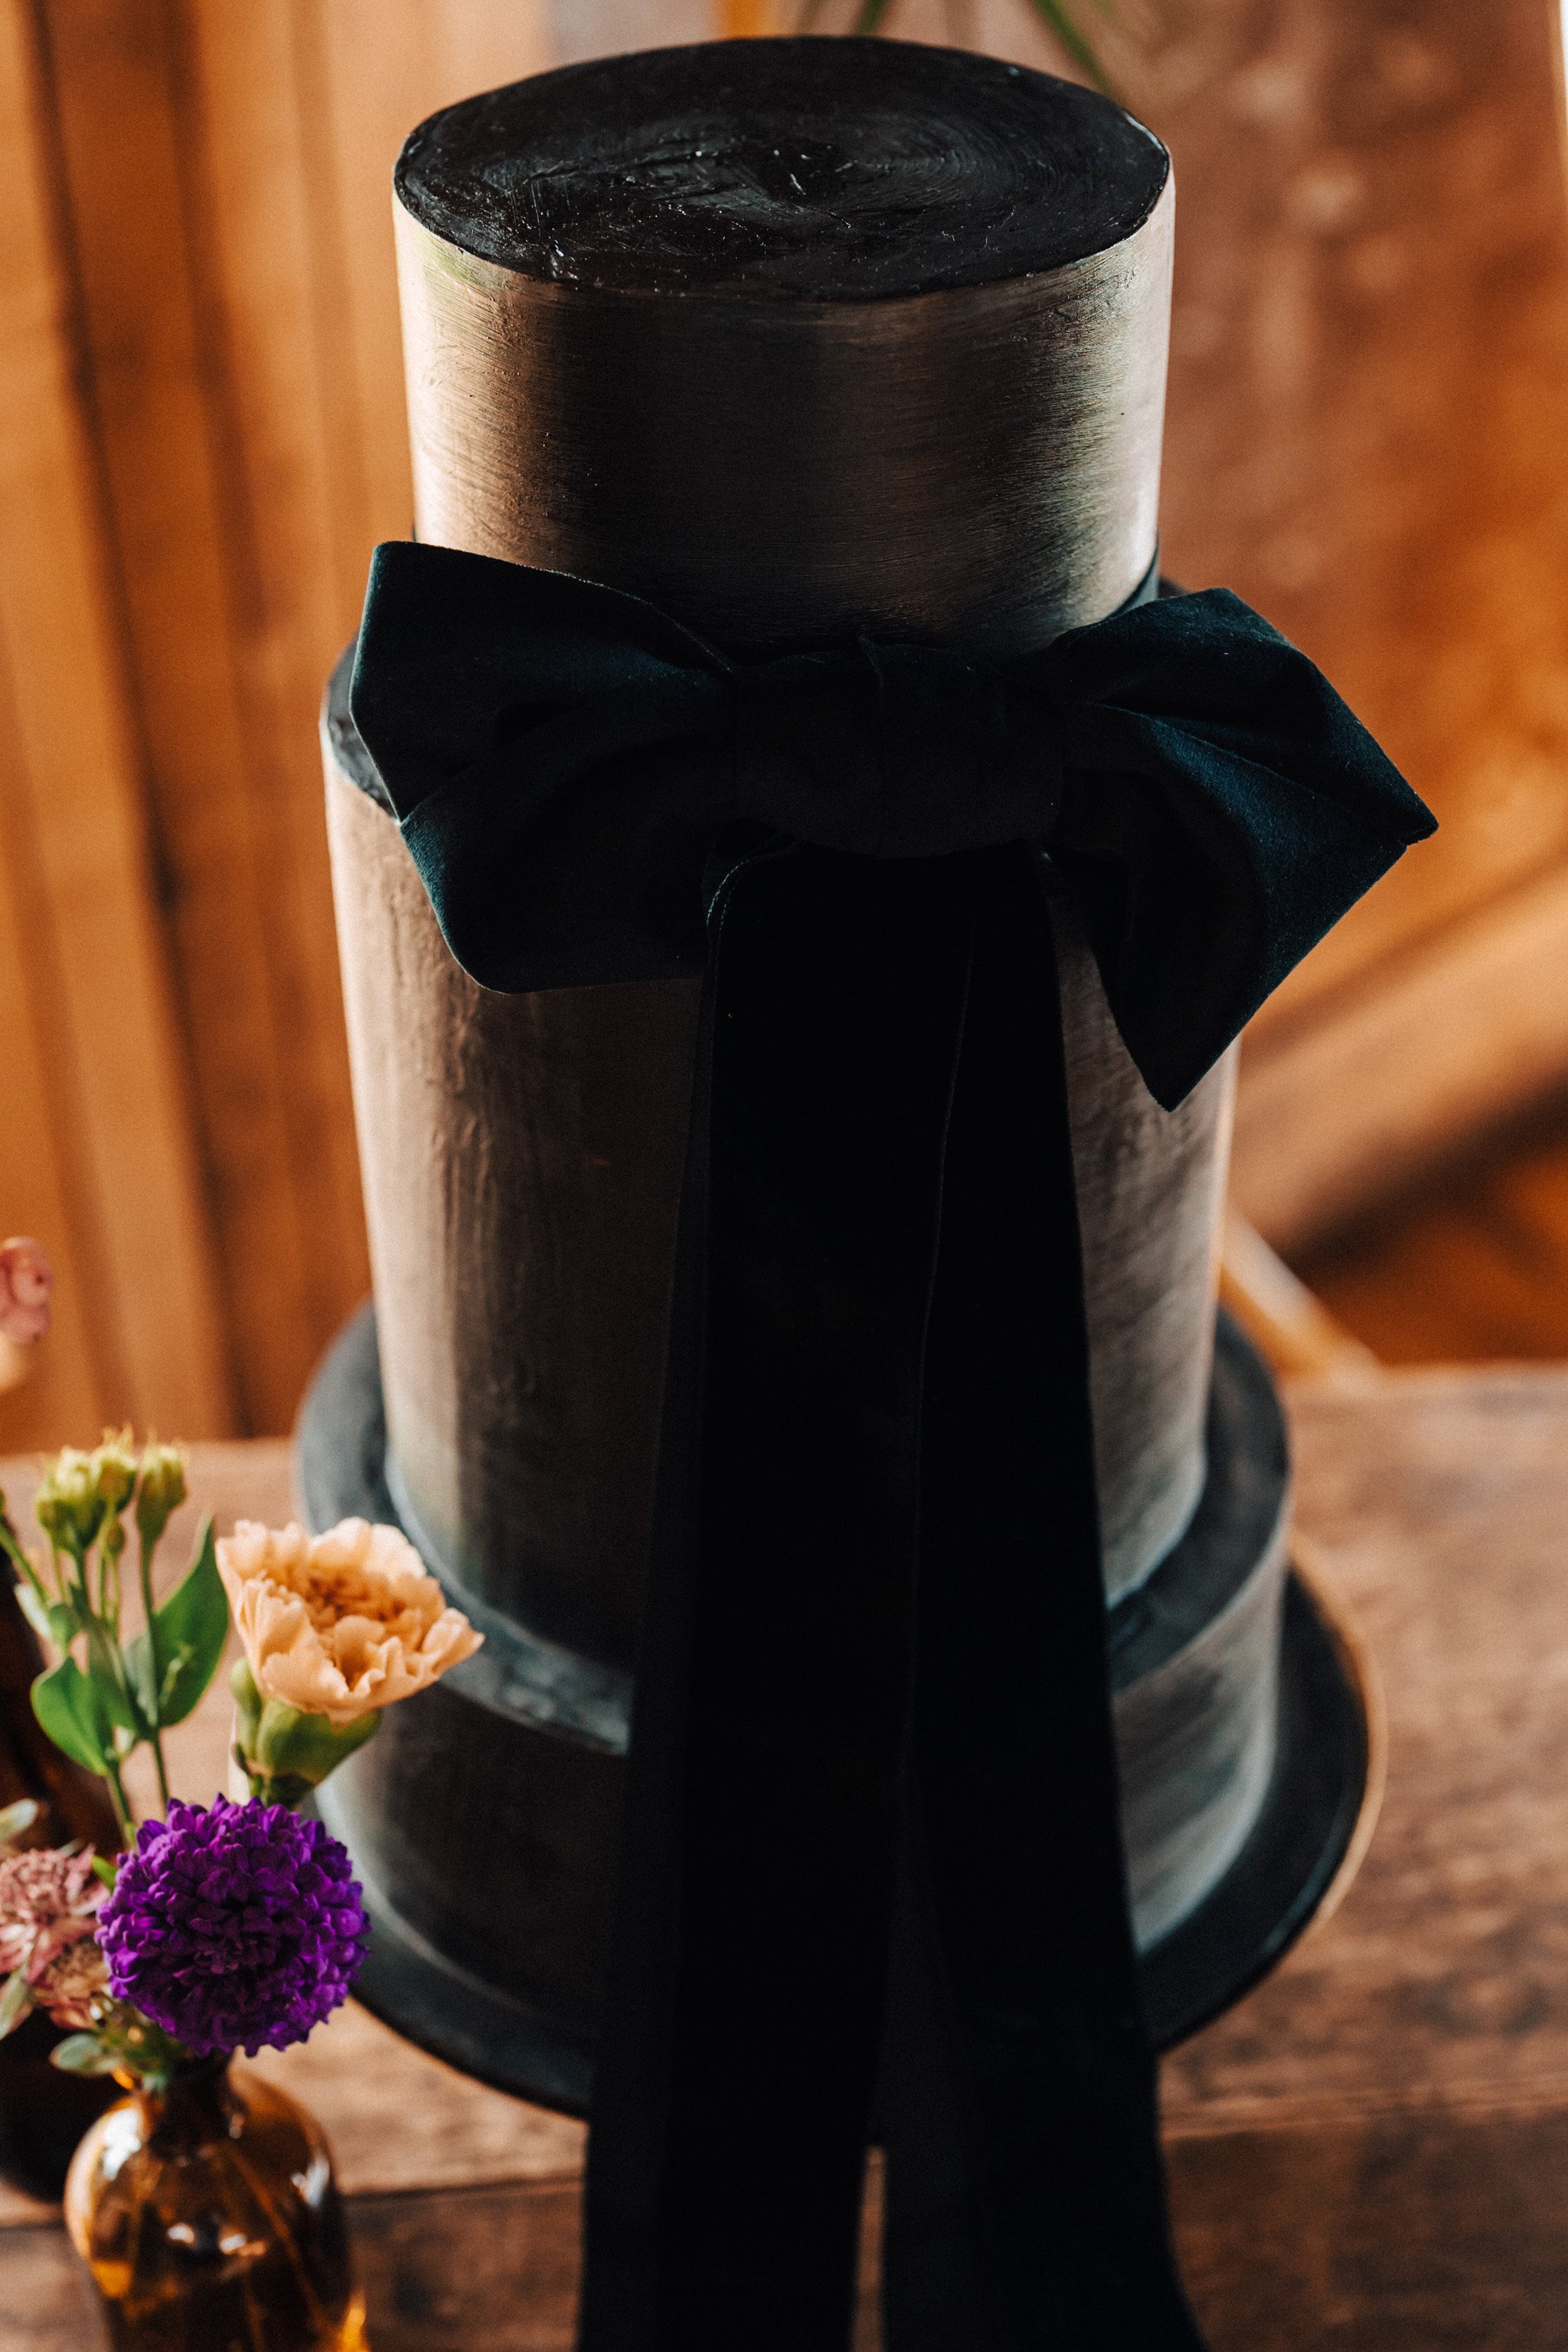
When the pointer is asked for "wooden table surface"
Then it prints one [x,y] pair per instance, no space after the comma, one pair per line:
[1369,2153]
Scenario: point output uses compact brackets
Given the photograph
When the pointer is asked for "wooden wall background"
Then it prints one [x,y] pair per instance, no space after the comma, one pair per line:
[201,438]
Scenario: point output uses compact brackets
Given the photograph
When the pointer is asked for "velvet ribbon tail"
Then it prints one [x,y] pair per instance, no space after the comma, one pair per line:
[872,1818]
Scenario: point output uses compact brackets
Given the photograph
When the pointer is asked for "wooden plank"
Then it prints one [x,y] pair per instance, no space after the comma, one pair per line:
[1473,1269]
[1335,1114]
[1367,2151]
[475,2267]
[480,45]
[1369,402]
[290,113]
[1416,2233]
[46,2300]
[376,78]
[155,324]
[484,2266]
[1437,1500]
[116,1052]
[292,476]
[60,1382]
[1368,437]
[598,28]
[491,2266]
[241,366]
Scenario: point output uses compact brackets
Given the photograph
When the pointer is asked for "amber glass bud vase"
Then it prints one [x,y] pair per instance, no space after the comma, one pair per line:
[43,2113]
[209,2218]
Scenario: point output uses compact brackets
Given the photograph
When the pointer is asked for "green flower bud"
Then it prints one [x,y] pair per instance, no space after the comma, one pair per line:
[68,1505]
[283,1753]
[114,1467]
[17,1819]
[162,1491]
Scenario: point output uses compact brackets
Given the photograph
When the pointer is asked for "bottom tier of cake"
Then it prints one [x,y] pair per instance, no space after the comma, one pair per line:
[482,1822]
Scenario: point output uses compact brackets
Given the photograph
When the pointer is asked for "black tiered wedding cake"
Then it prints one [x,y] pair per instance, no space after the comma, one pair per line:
[836,369]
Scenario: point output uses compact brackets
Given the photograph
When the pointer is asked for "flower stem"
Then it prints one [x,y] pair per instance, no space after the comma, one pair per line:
[155,1670]
[160,1768]
[10,1543]
[117,1798]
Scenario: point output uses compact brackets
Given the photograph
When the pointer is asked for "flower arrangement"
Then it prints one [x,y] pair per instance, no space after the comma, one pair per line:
[224,1926]
[204,2202]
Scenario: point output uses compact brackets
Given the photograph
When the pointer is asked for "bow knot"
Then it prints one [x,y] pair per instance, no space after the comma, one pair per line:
[891,750]
[565,760]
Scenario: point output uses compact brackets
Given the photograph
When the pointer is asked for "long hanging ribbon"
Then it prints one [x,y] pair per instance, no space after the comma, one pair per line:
[871,1879]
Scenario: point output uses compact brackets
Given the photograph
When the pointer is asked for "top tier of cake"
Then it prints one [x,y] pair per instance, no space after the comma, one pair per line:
[851,171]
[796,338]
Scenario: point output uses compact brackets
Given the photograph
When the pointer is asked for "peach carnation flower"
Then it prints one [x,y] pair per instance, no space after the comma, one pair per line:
[339,1625]
[26,1279]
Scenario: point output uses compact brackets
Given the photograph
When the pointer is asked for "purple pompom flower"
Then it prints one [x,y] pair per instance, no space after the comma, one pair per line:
[234,1926]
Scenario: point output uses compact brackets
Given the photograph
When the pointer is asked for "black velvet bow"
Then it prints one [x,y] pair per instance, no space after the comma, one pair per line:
[872,1883]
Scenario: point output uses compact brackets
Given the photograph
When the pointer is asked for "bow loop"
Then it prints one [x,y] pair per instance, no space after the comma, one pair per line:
[1222,808]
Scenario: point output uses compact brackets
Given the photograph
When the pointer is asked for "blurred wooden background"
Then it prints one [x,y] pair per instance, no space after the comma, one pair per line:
[201,438]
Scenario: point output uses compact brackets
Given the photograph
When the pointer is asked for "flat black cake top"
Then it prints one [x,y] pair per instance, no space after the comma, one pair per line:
[820,169]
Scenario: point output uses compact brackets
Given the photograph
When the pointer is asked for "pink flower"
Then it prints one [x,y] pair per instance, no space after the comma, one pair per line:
[68,1984]
[27,1278]
[48,1921]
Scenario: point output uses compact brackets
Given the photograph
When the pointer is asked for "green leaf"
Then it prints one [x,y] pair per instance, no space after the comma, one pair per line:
[116,1705]
[82,2053]
[65,1703]
[188,1637]
[35,1610]
[17,1818]
[14,2003]
[51,1619]
[1055,14]
[106,1868]
[138,1657]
